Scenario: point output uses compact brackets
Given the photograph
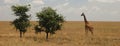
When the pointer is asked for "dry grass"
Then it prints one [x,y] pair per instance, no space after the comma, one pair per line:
[105,34]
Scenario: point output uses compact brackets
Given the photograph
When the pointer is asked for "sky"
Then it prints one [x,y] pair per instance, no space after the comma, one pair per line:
[95,10]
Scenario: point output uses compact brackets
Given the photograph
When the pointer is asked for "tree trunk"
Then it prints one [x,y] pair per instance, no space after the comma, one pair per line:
[20,34]
[46,35]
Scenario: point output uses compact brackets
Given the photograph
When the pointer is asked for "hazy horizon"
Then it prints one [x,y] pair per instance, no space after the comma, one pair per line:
[95,10]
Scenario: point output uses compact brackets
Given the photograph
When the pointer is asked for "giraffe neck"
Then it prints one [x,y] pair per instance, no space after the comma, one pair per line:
[85,20]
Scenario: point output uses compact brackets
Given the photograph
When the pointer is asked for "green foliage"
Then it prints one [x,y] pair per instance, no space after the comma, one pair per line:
[20,10]
[22,22]
[50,20]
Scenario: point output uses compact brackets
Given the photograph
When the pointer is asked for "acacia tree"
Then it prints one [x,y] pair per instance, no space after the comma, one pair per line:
[22,22]
[50,20]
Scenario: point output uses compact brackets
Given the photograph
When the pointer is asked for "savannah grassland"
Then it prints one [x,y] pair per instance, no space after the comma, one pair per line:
[72,34]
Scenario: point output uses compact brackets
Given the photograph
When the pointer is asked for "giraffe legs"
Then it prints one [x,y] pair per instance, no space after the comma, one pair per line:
[91,30]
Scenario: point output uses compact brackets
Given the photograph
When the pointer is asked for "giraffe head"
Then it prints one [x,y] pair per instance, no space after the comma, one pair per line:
[82,14]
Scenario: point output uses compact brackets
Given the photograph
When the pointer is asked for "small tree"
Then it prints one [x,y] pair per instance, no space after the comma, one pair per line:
[50,20]
[22,22]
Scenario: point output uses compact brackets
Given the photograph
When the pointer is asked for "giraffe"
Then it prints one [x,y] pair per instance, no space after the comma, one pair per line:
[88,27]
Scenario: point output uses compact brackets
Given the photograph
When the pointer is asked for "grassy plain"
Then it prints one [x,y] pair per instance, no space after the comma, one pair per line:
[72,34]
